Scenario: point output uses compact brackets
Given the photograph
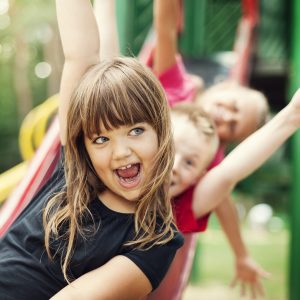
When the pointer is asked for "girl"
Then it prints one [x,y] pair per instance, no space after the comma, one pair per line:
[103,221]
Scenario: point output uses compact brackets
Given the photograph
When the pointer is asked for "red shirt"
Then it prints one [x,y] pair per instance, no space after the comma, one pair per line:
[182,205]
[179,88]
[177,83]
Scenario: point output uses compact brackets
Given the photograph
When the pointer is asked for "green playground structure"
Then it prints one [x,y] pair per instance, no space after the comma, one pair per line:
[294,279]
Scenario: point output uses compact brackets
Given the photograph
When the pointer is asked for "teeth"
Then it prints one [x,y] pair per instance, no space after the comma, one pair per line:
[126,167]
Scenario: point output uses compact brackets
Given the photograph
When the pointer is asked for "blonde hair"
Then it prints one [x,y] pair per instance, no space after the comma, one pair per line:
[114,93]
[246,93]
[201,121]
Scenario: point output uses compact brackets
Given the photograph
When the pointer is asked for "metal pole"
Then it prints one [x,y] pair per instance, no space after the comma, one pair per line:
[294,274]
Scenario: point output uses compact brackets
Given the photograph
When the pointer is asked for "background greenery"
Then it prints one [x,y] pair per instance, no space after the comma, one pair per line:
[216,265]
[28,37]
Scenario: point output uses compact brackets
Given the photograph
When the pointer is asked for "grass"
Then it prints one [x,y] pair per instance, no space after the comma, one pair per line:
[216,265]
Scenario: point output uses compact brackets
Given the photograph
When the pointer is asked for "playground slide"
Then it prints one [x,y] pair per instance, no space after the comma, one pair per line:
[31,174]
[43,162]
[32,132]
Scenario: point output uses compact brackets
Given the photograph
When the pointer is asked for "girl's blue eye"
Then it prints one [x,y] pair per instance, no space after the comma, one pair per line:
[100,140]
[137,131]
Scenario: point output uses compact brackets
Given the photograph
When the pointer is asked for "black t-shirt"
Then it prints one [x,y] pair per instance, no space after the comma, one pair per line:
[26,271]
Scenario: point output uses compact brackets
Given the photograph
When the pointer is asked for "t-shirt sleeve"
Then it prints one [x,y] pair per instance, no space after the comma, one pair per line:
[156,261]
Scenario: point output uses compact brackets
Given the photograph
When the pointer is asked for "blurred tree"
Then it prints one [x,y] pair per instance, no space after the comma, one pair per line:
[30,66]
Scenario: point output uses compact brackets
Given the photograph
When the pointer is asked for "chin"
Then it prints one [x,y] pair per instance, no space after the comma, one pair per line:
[131,196]
[174,192]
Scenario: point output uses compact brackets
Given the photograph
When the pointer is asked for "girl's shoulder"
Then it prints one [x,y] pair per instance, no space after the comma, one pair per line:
[155,261]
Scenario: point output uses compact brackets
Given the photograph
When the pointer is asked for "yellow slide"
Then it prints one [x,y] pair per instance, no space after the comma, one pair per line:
[31,134]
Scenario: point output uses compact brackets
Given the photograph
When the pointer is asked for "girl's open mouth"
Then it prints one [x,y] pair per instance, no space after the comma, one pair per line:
[129,176]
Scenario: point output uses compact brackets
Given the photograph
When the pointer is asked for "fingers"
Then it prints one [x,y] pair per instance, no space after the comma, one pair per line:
[260,288]
[253,291]
[243,289]
[264,274]
[234,282]
[256,288]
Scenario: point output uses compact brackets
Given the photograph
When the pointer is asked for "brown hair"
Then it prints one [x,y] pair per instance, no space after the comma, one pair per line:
[115,93]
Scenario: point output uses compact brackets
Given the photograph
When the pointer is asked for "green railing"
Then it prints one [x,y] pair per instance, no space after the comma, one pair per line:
[294,279]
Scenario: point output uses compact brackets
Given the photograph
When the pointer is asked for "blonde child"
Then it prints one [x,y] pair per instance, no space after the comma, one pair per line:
[195,144]
[181,87]
[103,221]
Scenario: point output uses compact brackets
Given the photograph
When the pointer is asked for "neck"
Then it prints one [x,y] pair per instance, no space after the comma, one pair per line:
[116,202]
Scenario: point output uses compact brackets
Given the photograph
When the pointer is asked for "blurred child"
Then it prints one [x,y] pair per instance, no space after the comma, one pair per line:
[195,144]
[180,86]
[236,110]
[104,219]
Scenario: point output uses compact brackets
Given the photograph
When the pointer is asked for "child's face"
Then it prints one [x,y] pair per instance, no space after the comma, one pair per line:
[234,116]
[122,157]
[193,154]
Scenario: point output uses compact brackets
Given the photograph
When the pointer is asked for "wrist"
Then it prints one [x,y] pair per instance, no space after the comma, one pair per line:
[241,256]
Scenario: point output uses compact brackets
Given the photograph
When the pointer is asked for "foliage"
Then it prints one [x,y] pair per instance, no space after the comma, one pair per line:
[26,30]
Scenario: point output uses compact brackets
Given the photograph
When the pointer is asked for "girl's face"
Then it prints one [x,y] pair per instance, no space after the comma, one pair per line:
[193,153]
[122,158]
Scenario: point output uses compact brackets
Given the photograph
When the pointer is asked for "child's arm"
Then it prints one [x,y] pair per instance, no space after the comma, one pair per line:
[105,12]
[247,271]
[245,158]
[118,278]
[166,14]
[80,41]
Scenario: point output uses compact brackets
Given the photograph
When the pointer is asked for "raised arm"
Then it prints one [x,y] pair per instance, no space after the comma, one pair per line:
[246,158]
[105,12]
[166,14]
[80,41]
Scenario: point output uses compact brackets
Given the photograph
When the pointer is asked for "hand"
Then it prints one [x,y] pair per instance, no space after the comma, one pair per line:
[295,106]
[296,99]
[249,273]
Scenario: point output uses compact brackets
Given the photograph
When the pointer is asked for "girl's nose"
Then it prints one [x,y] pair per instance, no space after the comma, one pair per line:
[121,150]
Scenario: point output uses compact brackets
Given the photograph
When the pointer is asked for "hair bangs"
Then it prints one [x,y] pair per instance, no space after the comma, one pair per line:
[122,98]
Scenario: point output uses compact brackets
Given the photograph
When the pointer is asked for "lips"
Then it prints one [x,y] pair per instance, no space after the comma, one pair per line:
[129,176]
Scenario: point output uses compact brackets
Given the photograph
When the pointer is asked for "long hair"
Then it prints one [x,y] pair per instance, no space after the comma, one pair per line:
[114,93]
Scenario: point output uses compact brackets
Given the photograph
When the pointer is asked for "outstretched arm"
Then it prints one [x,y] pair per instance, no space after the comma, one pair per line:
[246,158]
[80,41]
[118,278]
[247,271]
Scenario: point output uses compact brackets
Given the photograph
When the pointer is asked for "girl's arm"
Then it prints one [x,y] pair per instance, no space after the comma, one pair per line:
[119,278]
[166,14]
[247,271]
[80,42]
[246,158]
[105,12]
